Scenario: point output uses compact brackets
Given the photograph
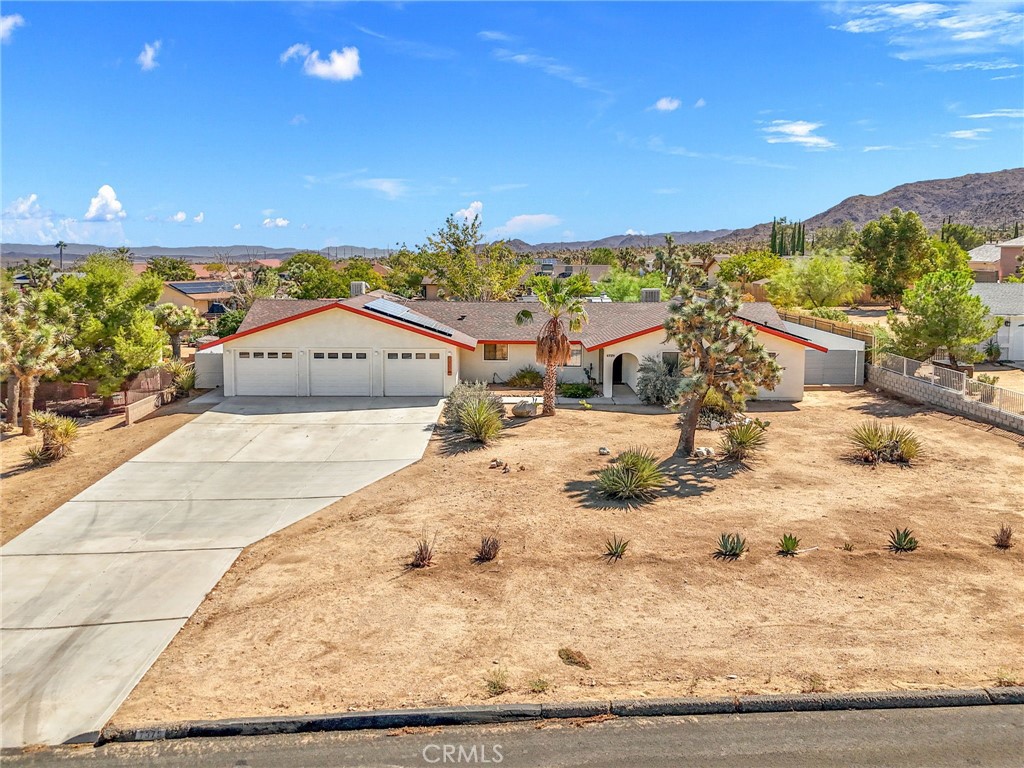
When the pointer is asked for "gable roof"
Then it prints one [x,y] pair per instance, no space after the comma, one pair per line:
[478,322]
[1001,298]
[1014,241]
[989,252]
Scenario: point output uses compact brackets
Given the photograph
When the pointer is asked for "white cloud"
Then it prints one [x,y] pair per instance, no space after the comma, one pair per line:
[551,67]
[973,134]
[493,35]
[177,218]
[526,223]
[237,226]
[105,206]
[339,65]
[667,104]
[26,221]
[24,208]
[796,132]
[276,223]
[151,218]
[700,103]
[632,231]
[984,66]
[1013,114]
[298,120]
[472,211]
[199,217]
[880,148]
[8,24]
[390,188]
[267,211]
[299,50]
[147,59]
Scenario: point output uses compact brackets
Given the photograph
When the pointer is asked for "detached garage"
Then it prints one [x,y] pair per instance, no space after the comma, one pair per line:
[842,365]
[365,346]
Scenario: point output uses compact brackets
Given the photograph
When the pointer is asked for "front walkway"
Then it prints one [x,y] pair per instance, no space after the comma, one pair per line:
[94,592]
[621,395]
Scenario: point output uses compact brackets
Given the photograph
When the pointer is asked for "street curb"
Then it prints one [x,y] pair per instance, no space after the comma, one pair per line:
[510,713]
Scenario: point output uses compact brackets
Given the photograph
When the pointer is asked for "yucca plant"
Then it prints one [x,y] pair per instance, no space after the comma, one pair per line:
[615,548]
[877,442]
[636,474]
[59,435]
[183,376]
[36,456]
[489,546]
[730,546]
[742,440]
[480,421]
[1004,537]
[423,555]
[901,540]
[788,545]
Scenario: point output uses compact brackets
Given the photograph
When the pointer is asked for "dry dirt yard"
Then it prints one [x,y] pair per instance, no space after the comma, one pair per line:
[31,493]
[323,616]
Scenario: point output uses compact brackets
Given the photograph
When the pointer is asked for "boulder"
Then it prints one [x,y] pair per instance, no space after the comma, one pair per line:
[524,408]
[602,451]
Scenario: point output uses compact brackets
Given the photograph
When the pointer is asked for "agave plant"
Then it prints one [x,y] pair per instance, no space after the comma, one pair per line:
[489,546]
[789,545]
[480,421]
[902,540]
[730,546]
[885,442]
[615,548]
[636,474]
[742,440]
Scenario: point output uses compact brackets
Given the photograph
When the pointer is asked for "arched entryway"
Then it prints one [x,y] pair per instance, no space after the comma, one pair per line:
[624,370]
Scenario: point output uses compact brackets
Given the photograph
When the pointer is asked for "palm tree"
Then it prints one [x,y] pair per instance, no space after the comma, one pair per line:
[61,245]
[564,305]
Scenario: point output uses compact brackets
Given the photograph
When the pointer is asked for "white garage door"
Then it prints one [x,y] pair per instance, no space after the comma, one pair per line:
[266,372]
[414,373]
[344,372]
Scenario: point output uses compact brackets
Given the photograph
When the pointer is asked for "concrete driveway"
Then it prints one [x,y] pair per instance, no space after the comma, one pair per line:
[93,593]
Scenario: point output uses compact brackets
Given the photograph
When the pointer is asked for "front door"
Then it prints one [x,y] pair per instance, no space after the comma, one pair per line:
[617,370]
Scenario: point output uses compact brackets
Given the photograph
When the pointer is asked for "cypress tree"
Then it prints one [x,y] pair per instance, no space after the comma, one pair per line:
[775,241]
[1016,229]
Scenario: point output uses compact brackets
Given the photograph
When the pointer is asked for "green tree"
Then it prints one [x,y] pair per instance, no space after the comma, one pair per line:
[718,353]
[229,322]
[168,268]
[35,336]
[895,250]
[566,313]
[964,235]
[839,238]
[467,270]
[407,272]
[620,285]
[947,255]
[820,280]
[115,332]
[255,282]
[175,321]
[745,268]
[361,270]
[312,275]
[941,311]
[629,260]
[600,255]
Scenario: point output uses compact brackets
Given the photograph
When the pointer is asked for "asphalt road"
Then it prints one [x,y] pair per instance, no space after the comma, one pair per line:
[911,738]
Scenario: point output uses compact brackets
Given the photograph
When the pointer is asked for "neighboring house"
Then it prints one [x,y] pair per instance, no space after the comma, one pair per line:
[1009,253]
[1006,301]
[208,297]
[371,346]
[995,261]
[430,290]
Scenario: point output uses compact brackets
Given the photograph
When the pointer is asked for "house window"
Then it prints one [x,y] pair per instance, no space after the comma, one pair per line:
[575,356]
[671,359]
[243,354]
[495,351]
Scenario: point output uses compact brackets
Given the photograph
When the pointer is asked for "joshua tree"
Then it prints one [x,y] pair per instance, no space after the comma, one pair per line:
[175,321]
[564,306]
[61,245]
[718,353]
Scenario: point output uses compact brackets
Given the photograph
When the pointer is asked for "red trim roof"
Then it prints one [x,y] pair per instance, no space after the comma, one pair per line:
[760,327]
[326,307]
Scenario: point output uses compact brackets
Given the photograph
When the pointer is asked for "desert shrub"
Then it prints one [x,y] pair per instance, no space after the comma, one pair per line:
[575,389]
[814,683]
[423,555]
[540,685]
[573,658]
[497,683]
[1003,538]
[466,392]
[788,545]
[902,540]
[489,546]
[730,546]
[183,376]
[877,442]
[830,313]
[526,377]
[480,421]
[59,435]
[657,381]
[847,546]
[1005,678]
[636,474]
[743,440]
[992,351]
[615,548]
[985,378]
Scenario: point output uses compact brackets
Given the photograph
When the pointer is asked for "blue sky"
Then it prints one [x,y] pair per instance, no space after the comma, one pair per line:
[319,124]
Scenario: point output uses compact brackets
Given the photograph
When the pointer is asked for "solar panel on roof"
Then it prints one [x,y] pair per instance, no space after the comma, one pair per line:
[400,312]
[202,286]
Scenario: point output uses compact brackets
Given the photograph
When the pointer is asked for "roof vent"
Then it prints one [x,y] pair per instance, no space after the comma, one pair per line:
[357,288]
[650,294]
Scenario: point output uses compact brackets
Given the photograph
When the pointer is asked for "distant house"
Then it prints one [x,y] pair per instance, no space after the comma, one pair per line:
[431,291]
[208,297]
[1006,301]
[992,262]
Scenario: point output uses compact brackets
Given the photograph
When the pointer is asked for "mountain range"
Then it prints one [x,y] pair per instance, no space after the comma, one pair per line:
[984,200]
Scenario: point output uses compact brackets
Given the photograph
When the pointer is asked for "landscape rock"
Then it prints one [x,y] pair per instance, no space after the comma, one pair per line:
[603,451]
[524,408]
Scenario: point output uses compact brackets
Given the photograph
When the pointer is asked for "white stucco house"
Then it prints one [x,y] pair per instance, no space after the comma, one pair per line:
[371,345]
[1005,301]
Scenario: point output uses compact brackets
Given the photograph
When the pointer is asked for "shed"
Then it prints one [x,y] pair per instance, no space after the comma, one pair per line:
[842,365]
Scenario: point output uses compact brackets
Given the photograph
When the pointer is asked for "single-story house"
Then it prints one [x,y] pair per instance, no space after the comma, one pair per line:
[1006,301]
[205,296]
[992,262]
[368,345]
